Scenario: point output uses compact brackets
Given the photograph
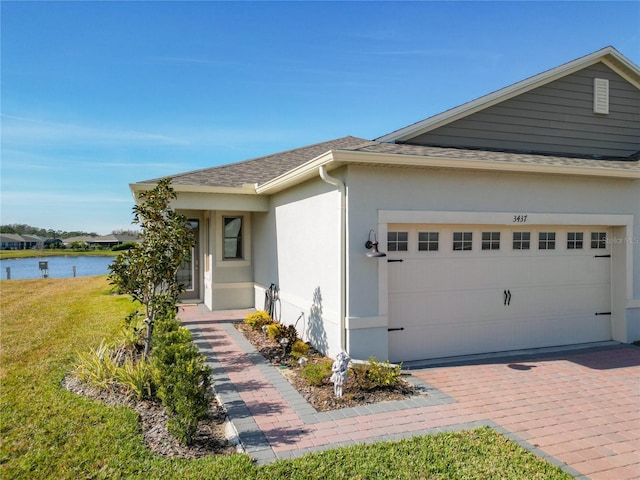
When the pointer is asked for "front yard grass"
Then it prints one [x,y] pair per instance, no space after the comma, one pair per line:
[48,432]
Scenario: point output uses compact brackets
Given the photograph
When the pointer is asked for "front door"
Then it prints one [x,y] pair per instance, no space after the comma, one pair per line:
[189,271]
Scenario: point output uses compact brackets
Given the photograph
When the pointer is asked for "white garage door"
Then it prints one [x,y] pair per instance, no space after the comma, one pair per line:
[459,290]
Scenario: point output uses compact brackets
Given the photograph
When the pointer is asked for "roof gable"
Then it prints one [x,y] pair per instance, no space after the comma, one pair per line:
[609,58]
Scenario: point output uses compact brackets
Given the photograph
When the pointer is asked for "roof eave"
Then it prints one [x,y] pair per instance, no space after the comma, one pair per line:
[394,159]
[245,189]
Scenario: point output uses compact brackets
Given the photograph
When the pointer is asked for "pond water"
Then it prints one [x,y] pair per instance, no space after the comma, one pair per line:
[59,267]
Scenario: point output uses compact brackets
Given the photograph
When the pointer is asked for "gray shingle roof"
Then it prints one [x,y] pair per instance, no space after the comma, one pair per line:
[262,169]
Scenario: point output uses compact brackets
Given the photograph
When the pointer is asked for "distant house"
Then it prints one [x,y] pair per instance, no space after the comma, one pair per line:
[509,222]
[13,241]
[103,241]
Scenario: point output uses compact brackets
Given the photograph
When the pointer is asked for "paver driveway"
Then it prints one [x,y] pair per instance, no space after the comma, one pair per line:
[580,409]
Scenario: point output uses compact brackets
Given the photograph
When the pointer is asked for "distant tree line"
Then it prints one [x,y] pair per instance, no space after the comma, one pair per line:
[22,229]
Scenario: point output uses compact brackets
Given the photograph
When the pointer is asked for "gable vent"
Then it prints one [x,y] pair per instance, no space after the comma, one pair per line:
[600,95]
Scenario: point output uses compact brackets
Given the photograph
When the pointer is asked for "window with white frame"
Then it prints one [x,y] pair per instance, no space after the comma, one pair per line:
[232,228]
[598,240]
[428,241]
[490,240]
[397,241]
[547,241]
[462,241]
[575,240]
[521,240]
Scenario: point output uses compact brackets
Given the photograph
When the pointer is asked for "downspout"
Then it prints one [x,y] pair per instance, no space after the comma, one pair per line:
[343,250]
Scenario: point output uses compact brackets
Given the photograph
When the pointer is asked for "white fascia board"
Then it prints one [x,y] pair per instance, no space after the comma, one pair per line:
[514,90]
[370,158]
[297,175]
[246,189]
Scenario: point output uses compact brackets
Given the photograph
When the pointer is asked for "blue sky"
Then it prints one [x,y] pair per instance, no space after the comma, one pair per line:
[99,95]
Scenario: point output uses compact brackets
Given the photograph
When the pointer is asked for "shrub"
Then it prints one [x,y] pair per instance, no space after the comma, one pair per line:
[183,380]
[131,334]
[136,377]
[105,366]
[316,373]
[257,320]
[123,246]
[276,331]
[299,349]
[374,374]
[97,366]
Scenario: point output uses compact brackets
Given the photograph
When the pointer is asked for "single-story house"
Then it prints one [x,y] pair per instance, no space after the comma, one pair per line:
[509,222]
[14,241]
[102,241]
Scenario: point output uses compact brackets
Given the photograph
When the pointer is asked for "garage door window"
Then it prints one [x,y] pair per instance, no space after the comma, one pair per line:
[462,240]
[574,240]
[490,240]
[521,240]
[397,241]
[428,241]
[598,240]
[547,241]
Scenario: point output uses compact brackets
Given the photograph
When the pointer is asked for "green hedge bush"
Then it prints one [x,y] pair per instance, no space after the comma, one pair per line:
[316,373]
[182,378]
[374,374]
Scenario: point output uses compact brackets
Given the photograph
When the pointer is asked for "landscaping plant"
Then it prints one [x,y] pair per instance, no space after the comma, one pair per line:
[256,320]
[148,271]
[182,378]
[374,374]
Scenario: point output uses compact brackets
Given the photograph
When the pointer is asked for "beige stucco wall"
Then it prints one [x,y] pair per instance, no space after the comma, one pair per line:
[297,248]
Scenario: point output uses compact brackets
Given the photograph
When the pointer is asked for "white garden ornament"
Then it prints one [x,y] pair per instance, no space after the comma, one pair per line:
[339,375]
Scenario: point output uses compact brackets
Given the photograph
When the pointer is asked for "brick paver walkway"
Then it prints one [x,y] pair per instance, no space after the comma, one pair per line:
[579,410]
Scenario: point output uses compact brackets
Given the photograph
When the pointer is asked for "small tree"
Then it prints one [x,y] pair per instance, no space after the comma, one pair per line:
[148,272]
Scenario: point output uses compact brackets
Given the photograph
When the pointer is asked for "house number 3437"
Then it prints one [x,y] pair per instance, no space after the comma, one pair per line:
[520,218]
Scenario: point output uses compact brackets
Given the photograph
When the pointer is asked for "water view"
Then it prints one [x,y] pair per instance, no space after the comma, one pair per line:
[58,267]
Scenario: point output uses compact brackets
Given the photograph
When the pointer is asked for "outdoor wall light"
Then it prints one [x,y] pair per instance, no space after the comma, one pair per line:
[373,246]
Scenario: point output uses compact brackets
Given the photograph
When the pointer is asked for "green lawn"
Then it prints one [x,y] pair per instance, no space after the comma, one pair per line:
[53,253]
[48,432]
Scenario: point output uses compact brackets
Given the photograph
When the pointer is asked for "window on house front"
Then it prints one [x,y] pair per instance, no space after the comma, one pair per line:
[462,240]
[232,238]
[574,240]
[598,239]
[490,240]
[521,240]
[428,241]
[546,241]
[397,241]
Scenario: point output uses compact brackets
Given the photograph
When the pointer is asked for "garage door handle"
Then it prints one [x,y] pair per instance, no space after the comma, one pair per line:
[394,260]
[507,297]
[394,329]
[602,256]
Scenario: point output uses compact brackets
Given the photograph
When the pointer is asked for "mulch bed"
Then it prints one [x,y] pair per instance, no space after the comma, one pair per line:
[210,439]
[321,398]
